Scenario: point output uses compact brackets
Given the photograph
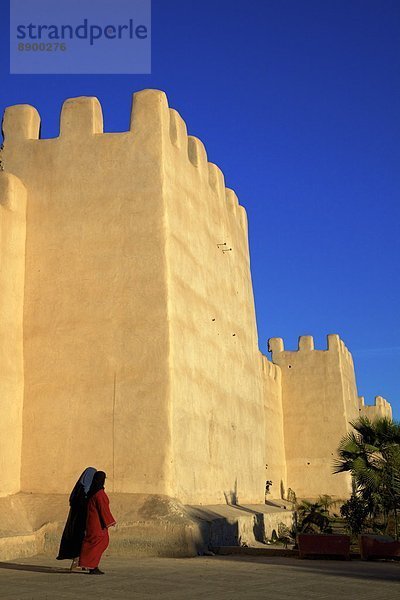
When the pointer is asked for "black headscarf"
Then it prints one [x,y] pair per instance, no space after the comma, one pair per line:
[82,486]
[74,530]
[97,483]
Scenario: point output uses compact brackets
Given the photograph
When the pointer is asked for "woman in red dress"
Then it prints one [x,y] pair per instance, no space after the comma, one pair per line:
[99,519]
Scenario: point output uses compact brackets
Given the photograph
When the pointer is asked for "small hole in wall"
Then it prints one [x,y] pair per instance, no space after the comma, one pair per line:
[289,366]
[308,463]
[212,319]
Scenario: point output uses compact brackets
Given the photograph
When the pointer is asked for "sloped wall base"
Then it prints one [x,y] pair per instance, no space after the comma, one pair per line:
[147,525]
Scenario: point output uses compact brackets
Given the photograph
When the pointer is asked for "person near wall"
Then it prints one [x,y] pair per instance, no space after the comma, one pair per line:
[74,530]
[99,519]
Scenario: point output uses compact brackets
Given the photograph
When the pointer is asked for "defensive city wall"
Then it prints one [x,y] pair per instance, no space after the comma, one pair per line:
[319,399]
[128,336]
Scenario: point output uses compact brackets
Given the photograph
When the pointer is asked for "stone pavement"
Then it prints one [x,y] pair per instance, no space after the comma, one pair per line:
[220,577]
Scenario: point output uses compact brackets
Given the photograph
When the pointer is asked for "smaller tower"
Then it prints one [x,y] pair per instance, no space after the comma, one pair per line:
[319,398]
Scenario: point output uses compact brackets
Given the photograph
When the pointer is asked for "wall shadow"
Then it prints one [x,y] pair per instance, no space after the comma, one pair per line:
[387,571]
[232,500]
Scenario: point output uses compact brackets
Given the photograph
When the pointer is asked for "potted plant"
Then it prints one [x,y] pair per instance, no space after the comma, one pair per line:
[315,537]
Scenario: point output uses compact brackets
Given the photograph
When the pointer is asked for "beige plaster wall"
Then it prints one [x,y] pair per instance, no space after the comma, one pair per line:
[216,387]
[12,272]
[139,340]
[138,326]
[318,402]
[95,310]
[274,434]
[379,409]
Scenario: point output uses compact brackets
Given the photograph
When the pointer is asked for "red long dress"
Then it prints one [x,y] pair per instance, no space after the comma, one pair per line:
[96,540]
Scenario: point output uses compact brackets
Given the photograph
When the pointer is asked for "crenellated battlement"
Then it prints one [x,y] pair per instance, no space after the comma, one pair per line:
[21,122]
[380,401]
[306,344]
[83,116]
[276,345]
[380,408]
[160,127]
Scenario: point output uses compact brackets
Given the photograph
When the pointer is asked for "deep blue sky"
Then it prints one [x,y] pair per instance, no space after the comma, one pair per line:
[298,102]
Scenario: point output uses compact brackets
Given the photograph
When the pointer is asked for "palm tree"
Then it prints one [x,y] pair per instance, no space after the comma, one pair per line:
[313,517]
[371,453]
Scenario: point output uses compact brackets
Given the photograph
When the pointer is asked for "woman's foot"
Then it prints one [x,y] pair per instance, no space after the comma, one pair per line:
[96,571]
[74,564]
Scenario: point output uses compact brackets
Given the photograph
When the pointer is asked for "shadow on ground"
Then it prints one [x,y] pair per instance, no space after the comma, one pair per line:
[364,570]
[38,568]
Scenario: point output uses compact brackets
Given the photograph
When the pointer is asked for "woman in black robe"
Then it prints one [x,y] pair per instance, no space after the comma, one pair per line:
[74,530]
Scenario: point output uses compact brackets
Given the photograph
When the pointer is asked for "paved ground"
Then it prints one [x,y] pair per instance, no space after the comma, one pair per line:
[225,578]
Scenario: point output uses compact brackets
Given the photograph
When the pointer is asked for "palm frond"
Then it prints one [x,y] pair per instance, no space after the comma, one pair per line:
[371,453]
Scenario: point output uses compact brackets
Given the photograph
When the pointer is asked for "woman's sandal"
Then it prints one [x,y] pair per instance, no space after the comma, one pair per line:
[96,571]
